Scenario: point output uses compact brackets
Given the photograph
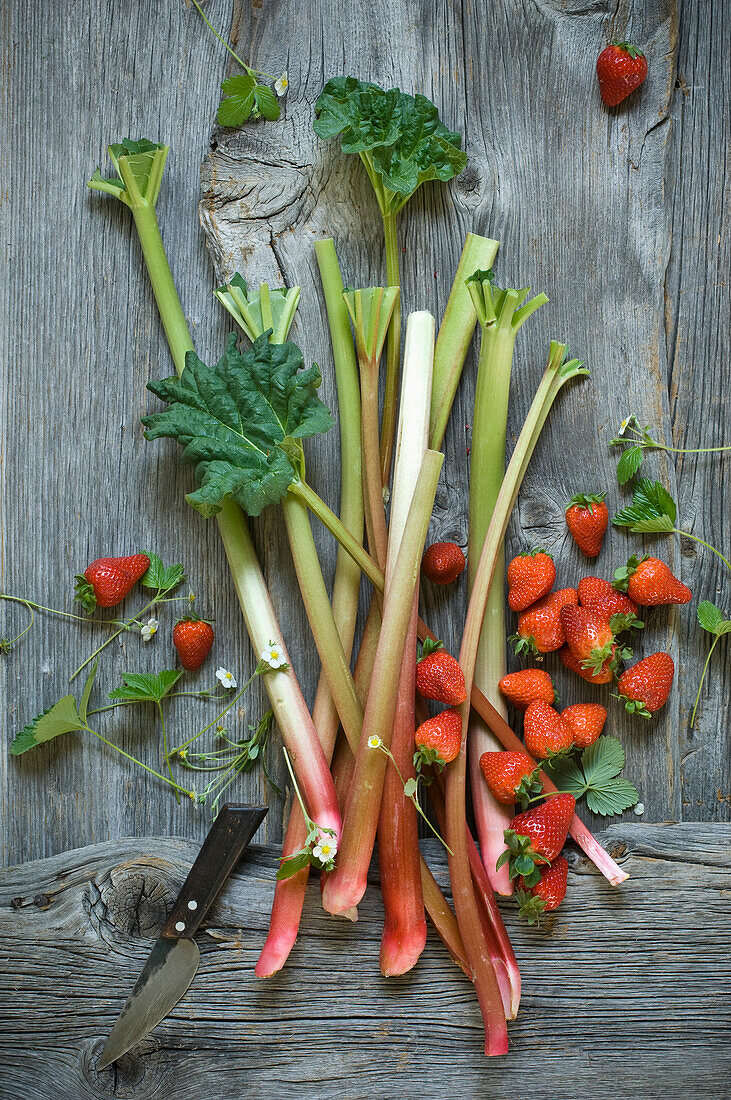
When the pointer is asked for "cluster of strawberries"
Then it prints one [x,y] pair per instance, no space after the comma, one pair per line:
[107,581]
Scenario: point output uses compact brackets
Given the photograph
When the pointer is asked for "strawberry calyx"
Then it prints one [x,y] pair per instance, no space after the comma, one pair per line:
[522,859]
[530,906]
[427,647]
[633,51]
[583,500]
[525,645]
[191,617]
[597,657]
[634,706]
[529,788]
[623,621]
[427,758]
[534,553]
[623,574]
[84,593]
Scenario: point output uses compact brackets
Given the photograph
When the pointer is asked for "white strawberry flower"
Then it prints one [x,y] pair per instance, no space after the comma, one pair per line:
[226,678]
[374,741]
[149,630]
[625,424]
[281,85]
[325,851]
[273,655]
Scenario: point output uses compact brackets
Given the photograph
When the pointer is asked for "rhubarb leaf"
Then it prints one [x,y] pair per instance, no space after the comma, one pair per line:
[399,137]
[139,165]
[652,511]
[138,687]
[62,717]
[241,422]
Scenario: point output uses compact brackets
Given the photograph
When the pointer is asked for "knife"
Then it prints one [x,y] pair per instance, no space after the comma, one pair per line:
[174,959]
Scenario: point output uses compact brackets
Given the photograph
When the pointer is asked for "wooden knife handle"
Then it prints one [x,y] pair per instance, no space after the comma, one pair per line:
[228,837]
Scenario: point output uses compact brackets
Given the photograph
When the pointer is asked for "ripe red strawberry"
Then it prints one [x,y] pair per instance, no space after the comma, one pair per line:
[441,735]
[588,636]
[620,68]
[438,676]
[107,581]
[524,687]
[544,731]
[547,893]
[649,582]
[530,576]
[510,776]
[603,599]
[603,676]
[537,836]
[193,639]
[442,562]
[539,628]
[586,722]
[645,687]
[587,518]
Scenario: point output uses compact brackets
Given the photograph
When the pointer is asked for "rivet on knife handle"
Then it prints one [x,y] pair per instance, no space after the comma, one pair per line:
[231,832]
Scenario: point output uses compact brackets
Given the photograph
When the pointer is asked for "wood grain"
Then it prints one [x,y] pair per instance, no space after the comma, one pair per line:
[647,988]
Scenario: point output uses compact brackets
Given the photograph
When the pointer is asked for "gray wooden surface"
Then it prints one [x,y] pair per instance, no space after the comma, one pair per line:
[621,998]
[620,217]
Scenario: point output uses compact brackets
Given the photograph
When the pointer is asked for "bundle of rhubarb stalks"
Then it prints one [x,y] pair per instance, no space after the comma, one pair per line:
[358,774]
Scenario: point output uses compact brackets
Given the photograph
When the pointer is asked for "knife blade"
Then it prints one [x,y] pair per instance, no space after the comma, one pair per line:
[174,959]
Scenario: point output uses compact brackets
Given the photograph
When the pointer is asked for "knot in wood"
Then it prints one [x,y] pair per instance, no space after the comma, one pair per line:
[134,1076]
[133,899]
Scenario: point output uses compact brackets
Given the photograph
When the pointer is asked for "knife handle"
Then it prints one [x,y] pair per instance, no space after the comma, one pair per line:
[228,837]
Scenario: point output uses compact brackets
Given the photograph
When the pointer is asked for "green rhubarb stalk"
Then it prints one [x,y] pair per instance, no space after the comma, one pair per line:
[255,311]
[345,886]
[500,314]
[455,334]
[140,166]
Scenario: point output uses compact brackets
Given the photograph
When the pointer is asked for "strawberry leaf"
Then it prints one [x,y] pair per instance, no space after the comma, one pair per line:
[62,717]
[602,760]
[711,619]
[596,775]
[652,510]
[566,774]
[238,103]
[160,578]
[629,463]
[612,797]
[266,102]
[241,422]
[86,693]
[146,687]
[292,865]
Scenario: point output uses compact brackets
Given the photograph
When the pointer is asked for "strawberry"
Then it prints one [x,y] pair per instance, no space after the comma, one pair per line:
[440,737]
[604,675]
[530,576]
[537,836]
[107,581]
[620,68]
[438,676]
[539,628]
[603,599]
[442,562]
[587,518]
[524,687]
[589,638]
[510,776]
[547,893]
[649,582]
[586,722]
[545,732]
[645,687]
[193,639]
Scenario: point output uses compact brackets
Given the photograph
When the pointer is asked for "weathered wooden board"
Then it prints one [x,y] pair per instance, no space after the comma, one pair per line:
[621,997]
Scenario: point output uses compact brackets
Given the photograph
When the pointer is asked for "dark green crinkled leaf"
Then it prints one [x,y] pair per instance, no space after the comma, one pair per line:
[62,717]
[140,687]
[401,135]
[652,509]
[241,421]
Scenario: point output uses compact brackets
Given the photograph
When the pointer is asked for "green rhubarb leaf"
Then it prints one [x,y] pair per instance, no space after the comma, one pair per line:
[238,102]
[399,137]
[241,422]
[247,307]
[629,464]
[62,717]
[652,511]
[143,687]
[161,578]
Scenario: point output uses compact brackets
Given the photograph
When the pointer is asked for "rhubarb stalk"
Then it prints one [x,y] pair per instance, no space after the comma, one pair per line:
[404,931]
[500,314]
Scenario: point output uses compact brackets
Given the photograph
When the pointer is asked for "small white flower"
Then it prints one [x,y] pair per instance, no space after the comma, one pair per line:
[227,678]
[639,809]
[625,424]
[149,629]
[325,851]
[273,655]
[281,85]
[374,741]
